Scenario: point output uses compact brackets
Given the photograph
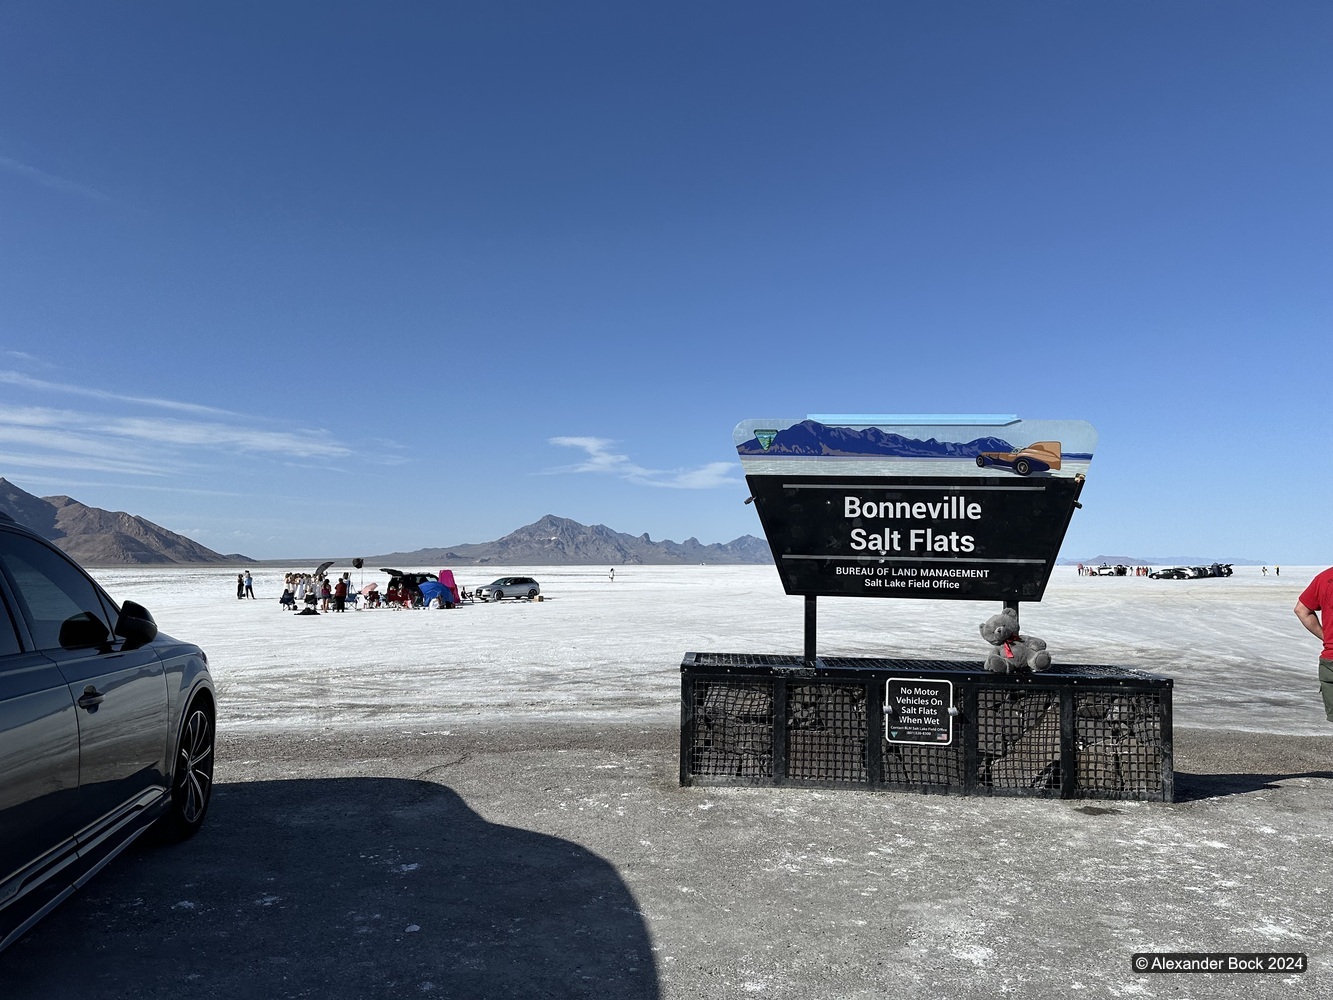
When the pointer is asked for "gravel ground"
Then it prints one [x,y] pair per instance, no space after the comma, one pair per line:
[566,861]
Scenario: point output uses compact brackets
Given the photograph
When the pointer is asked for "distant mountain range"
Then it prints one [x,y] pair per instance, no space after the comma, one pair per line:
[97,537]
[558,541]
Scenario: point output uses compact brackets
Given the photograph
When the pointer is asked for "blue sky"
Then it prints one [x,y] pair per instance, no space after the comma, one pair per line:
[309,279]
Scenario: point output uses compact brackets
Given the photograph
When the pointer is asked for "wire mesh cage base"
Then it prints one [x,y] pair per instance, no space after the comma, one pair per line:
[1074,731]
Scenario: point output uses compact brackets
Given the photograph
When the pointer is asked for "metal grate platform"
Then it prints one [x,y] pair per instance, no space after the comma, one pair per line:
[1085,731]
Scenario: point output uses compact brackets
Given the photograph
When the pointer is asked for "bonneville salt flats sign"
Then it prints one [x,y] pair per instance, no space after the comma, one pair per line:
[964,507]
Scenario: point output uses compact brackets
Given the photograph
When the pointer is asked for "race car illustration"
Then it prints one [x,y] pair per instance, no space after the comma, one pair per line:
[1040,457]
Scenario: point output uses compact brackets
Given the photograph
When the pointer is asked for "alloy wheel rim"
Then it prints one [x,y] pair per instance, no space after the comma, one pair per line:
[194,770]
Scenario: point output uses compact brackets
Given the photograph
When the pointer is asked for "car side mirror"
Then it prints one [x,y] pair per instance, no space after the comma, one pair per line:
[135,625]
[83,631]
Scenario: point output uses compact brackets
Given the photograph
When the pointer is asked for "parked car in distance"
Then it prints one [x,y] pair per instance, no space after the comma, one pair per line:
[1171,573]
[106,729]
[1043,456]
[509,586]
[1191,572]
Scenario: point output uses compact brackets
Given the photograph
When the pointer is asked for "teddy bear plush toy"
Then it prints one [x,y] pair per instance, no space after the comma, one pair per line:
[1012,652]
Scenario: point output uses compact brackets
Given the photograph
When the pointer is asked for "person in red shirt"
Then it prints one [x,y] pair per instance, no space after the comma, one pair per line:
[1314,608]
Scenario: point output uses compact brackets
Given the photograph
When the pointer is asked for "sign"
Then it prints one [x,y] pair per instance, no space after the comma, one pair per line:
[933,508]
[918,711]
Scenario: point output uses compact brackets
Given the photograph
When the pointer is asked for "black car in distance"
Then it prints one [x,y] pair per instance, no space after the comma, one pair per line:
[106,729]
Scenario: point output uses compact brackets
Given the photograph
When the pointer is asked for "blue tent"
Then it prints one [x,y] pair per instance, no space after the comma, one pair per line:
[430,590]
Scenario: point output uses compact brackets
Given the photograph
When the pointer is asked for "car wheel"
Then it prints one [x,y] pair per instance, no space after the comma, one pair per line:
[532,594]
[498,595]
[981,462]
[192,782]
[1022,466]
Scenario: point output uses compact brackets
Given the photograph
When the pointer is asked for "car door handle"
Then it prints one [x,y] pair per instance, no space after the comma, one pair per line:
[91,698]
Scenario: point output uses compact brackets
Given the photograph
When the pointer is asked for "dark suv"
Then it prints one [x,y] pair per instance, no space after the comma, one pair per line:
[106,728]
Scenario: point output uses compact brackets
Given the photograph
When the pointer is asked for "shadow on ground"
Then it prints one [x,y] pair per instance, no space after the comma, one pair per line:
[342,888]
[1190,787]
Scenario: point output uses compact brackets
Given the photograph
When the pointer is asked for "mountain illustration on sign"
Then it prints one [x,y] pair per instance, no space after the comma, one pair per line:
[810,437]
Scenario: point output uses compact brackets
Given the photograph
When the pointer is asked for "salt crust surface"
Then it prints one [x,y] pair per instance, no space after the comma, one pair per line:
[601,650]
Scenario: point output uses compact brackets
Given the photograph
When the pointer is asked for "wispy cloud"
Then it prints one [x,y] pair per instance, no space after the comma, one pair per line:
[26,358]
[76,461]
[40,437]
[189,434]
[601,459]
[34,482]
[51,180]
[73,431]
[28,382]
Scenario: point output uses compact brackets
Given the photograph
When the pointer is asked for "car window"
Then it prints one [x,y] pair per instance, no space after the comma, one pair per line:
[9,639]
[50,588]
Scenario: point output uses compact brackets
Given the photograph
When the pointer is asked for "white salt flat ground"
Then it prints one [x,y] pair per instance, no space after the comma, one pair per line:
[597,650]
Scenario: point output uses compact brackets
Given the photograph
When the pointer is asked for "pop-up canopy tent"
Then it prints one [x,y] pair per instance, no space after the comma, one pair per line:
[447,579]
[431,590]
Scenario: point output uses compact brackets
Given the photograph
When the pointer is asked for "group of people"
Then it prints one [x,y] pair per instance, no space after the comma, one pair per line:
[245,586]
[407,596]
[305,590]
[1118,570]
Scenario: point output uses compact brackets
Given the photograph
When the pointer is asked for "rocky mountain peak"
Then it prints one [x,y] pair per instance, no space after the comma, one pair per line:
[95,536]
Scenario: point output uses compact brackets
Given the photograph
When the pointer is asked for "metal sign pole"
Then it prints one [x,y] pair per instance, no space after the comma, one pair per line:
[810,617]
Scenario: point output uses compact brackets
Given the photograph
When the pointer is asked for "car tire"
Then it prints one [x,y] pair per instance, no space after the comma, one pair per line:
[532,593]
[1022,466]
[192,776]
[497,595]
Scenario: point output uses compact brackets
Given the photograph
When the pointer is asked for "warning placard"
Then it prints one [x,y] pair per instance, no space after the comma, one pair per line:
[918,711]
